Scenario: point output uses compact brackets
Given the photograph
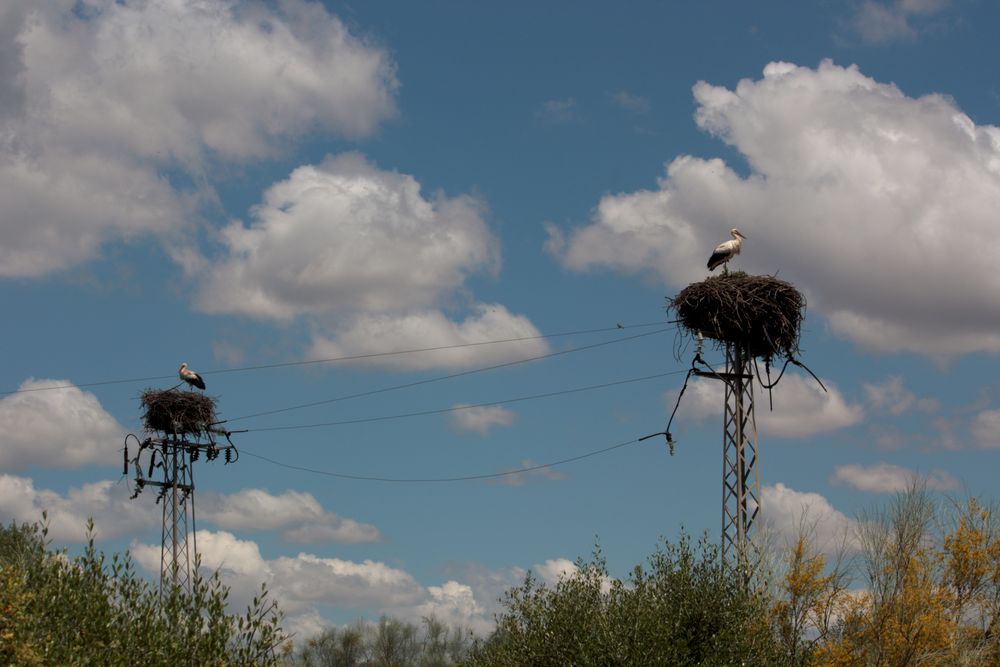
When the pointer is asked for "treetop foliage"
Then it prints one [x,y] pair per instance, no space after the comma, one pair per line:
[92,610]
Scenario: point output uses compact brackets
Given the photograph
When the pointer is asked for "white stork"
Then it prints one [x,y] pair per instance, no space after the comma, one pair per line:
[190,376]
[726,251]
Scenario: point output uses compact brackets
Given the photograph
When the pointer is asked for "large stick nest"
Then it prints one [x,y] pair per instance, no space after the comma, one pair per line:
[180,412]
[760,313]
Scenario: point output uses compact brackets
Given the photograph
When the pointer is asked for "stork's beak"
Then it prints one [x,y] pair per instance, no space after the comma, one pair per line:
[741,235]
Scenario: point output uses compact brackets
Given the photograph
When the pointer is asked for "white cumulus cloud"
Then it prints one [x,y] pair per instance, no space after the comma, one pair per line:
[479,420]
[554,569]
[456,604]
[56,428]
[303,584]
[297,513]
[373,265]
[344,236]
[99,99]
[369,337]
[889,478]
[788,512]
[298,581]
[880,206]
[106,502]
[801,407]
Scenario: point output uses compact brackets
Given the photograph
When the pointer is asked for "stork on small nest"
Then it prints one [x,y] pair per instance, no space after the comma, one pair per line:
[177,412]
[761,313]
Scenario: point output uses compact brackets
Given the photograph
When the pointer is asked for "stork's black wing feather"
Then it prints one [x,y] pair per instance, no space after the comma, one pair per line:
[717,258]
[195,381]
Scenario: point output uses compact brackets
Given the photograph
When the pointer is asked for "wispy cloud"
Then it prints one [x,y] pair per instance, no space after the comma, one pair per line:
[889,478]
[629,102]
[884,22]
[986,429]
[521,478]
[480,420]
[559,111]
[892,396]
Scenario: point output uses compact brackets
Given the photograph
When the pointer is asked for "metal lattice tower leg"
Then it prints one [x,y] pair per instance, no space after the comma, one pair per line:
[740,478]
[177,547]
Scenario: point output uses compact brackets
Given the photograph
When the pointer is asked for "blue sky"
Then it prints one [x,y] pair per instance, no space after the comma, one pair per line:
[234,184]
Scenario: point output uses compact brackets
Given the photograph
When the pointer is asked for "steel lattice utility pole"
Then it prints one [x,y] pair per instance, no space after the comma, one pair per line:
[740,478]
[177,497]
[182,427]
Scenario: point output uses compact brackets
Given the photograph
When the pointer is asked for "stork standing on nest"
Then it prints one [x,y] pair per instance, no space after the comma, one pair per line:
[189,376]
[726,251]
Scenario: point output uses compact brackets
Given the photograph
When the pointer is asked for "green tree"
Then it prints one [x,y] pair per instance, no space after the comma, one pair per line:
[389,643]
[683,608]
[95,610]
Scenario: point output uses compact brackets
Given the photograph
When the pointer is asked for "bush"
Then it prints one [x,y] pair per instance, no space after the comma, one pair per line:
[91,610]
[388,643]
[683,608]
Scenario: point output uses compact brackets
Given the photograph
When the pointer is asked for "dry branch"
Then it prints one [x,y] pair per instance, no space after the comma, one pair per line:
[762,313]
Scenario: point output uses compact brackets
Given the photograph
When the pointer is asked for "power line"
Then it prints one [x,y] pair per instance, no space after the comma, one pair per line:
[353,357]
[430,480]
[441,378]
[457,408]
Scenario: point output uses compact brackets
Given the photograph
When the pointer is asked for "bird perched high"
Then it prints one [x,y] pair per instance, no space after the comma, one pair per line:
[726,251]
[190,376]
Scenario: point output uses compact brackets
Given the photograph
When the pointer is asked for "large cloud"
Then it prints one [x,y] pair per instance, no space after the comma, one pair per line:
[99,99]
[105,502]
[56,428]
[304,583]
[792,513]
[361,251]
[801,407]
[369,337]
[882,207]
[344,236]
[300,515]
[299,581]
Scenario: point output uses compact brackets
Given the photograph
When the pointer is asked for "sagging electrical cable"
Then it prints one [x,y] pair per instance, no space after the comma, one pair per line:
[440,378]
[329,360]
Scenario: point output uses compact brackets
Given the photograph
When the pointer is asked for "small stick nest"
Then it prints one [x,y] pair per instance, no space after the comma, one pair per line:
[760,312]
[180,412]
